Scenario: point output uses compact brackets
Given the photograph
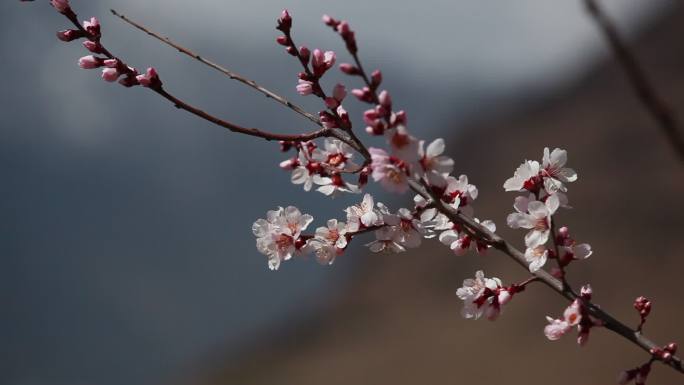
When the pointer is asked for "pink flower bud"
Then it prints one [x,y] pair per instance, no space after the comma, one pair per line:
[370,116]
[385,99]
[339,92]
[343,27]
[60,5]
[93,27]
[327,119]
[400,118]
[93,46]
[90,62]
[586,292]
[349,69]
[329,21]
[110,74]
[376,78]
[304,87]
[671,347]
[289,164]
[111,63]
[70,35]
[358,93]
[331,102]
[282,40]
[149,79]
[321,61]
[305,53]
[285,21]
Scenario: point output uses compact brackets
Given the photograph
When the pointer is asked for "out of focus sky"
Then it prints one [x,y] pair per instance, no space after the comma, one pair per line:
[125,224]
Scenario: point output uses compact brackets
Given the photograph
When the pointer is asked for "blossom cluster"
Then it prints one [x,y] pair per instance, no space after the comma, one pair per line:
[113,68]
[545,185]
[574,315]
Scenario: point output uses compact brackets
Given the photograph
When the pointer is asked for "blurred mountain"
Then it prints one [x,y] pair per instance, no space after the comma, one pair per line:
[398,322]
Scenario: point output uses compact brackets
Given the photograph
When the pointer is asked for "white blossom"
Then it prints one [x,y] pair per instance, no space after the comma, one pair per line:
[480,296]
[554,172]
[534,215]
[523,176]
[364,214]
[461,242]
[335,154]
[536,257]
[334,185]
[403,145]
[388,171]
[387,240]
[278,234]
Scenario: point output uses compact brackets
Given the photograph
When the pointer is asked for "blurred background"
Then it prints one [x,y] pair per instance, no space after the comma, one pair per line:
[125,225]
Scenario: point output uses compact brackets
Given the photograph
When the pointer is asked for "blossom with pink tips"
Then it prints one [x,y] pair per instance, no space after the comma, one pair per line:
[322,61]
[431,159]
[389,171]
[554,172]
[278,236]
[110,74]
[535,216]
[304,87]
[481,296]
[403,145]
[90,62]
[149,79]
[93,27]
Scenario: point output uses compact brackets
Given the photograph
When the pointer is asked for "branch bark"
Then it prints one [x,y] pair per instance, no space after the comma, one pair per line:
[644,90]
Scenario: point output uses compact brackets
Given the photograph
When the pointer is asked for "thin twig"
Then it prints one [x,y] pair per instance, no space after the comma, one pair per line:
[643,88]
[231,74]
[206,116]
[242,130]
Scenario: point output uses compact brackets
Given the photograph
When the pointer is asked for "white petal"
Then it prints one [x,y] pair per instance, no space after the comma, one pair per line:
[552,203]
[435,148]
[568,174]
[513,184]
[582,251]
[536,238]
[558,157]
[518,220]
[538,209]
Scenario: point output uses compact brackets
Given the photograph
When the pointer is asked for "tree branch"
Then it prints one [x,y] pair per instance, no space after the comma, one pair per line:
[232,75]
[636,75]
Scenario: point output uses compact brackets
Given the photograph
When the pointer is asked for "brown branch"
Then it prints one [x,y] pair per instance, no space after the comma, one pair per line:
[232,75]
[555,284]
[239,129]
[636,75]
[206,116]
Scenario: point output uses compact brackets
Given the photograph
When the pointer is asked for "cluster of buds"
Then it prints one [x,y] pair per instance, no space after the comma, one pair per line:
[485,296]
[574,315]
[640,373]
[643,307]
[113,68]
[321,166]
[342,27]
